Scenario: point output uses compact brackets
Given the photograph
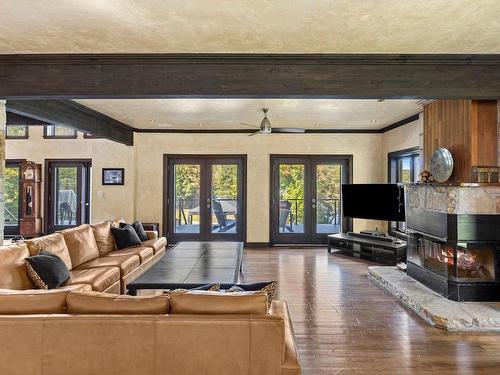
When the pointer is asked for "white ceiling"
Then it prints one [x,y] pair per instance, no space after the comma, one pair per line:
[209,114]
[298,26]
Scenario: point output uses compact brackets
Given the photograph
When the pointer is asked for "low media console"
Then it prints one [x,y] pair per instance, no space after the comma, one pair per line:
[375,248]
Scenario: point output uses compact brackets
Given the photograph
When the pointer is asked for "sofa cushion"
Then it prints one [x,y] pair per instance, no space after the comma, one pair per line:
[157,243]
[138,228]
[200,302]
[125,237]
[53,243]
[13,274]
[126,263]
[144,252]
[81,244]
[99,278]
[103,237]
[105,303]
[35,301]
[46,270]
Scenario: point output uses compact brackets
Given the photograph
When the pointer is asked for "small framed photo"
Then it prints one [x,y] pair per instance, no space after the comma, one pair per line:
[113,176]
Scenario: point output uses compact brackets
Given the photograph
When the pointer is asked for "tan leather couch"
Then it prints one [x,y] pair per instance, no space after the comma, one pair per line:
[123,335]
[90,255]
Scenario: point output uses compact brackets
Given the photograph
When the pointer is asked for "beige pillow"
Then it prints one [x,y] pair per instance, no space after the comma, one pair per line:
[13,275]
[205,302]
[105,303]
[81,244]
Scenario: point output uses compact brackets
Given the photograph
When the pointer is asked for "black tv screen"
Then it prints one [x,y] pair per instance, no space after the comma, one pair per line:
[374,201]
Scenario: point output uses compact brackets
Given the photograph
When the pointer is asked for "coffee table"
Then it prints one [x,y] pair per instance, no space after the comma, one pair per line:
[192,264]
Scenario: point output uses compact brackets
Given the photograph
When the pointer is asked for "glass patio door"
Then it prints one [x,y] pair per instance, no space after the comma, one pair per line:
[306,198]
[205,198]
[68,199]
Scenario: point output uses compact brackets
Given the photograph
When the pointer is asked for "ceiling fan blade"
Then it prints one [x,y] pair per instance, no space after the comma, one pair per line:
[288,130]
[257,132]
[252,126]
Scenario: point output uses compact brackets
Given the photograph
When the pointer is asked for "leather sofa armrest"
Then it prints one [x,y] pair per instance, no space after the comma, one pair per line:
[152,234]
[290,362]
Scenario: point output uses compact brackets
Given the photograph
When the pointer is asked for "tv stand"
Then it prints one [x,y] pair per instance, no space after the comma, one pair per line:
[377,249]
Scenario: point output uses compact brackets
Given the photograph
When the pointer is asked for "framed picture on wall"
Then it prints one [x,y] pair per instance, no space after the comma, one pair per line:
[113,176]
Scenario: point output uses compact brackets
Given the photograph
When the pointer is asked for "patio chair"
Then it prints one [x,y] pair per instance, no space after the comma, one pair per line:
[220,215]
[285,212]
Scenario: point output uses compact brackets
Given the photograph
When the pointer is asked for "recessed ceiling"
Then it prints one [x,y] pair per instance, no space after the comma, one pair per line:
[210,114]
[300,26]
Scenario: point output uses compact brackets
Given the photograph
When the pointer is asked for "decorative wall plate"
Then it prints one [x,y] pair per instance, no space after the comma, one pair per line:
[441,165]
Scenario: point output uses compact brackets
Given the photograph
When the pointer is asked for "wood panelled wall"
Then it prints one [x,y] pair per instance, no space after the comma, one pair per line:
[468,128]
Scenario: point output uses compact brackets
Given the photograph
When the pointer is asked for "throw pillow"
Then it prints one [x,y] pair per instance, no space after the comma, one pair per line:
[206,287]
[269,287]
[139,229]
[46,270]
[125,237]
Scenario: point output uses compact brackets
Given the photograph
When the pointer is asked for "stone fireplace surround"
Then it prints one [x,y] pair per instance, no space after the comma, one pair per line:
[454,239]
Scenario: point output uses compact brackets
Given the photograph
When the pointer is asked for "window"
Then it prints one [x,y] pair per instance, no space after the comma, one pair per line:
[12,196]
[403,168]
[58,131]
[16,132]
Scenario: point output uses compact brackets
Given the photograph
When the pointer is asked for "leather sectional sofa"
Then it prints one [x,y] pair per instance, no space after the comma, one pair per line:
[89,252]
[60,332]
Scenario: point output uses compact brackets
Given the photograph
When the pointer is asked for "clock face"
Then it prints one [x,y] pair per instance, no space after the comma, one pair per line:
[29,173]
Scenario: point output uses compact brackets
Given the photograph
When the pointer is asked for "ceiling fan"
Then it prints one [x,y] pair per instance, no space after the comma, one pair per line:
[265,127]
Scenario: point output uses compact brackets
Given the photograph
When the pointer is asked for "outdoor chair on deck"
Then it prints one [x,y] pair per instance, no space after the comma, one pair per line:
[220,215]
[285,212]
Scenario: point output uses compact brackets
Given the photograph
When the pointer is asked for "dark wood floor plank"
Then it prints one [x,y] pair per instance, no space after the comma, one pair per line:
[345,324]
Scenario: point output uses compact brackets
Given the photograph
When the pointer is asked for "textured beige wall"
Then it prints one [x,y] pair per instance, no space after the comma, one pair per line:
[143,165]
[366,150]
[115,200]
[401,138]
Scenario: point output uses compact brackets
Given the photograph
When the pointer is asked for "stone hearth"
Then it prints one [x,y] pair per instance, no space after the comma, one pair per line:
[435,309]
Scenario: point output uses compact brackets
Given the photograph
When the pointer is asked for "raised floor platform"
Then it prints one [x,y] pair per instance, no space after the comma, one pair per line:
[434,308]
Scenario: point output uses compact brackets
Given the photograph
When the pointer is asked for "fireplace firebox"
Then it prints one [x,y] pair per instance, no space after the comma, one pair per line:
[455,255]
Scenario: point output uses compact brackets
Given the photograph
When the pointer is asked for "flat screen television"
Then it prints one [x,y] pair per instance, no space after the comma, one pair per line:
[374,201]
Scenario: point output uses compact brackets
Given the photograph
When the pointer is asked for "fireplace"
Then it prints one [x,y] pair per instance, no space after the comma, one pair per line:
[456,254]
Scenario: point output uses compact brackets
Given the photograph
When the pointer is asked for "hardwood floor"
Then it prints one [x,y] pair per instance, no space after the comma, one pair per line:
[345,324]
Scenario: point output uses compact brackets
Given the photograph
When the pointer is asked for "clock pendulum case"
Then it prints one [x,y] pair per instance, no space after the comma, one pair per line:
[30,218]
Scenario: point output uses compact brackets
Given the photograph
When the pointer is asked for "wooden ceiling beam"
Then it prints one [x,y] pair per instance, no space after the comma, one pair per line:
[363,76]
[74,115]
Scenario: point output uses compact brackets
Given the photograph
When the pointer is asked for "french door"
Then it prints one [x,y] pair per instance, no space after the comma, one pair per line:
[67,187]
[205,197]
[306,198]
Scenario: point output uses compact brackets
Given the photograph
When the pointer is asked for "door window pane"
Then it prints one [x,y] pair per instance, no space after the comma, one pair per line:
[187,198]
[66,194]
[224,186]
[291,202]
[328,182]
[11,196]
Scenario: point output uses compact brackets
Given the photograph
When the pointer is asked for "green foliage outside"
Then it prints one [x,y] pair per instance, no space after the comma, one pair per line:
[327,185]
[16,130]
[11,195]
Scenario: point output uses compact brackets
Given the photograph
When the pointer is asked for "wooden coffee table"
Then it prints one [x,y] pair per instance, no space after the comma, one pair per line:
[192,264]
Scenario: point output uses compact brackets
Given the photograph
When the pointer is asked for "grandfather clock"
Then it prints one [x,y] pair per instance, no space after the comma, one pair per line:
[30,218]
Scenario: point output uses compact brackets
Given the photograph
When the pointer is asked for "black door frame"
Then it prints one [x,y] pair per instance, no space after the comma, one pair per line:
[14,230]
[204,160]
[309,161]
[83,209]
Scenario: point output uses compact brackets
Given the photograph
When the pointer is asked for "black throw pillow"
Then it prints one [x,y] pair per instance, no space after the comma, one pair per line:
[46,270]
[139,229]
[125,237]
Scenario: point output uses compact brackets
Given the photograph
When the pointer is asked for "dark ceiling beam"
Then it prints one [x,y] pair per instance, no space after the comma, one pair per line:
[65,76]
[72,114]
[16,119]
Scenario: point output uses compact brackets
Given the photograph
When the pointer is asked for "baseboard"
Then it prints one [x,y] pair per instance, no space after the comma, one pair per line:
[256,245]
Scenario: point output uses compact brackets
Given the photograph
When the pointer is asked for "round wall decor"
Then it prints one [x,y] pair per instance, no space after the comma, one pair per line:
[441,165]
